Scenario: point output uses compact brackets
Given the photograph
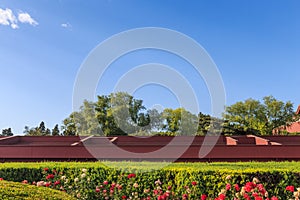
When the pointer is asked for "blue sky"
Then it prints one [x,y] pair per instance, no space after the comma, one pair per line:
[255,44]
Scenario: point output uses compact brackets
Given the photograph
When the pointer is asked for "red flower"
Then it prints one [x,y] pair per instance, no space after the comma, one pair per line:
[236,187]
[246,196]
[249,186]
[47,184]
[290,188]
[131,176]
[274,198]
[50,176]
[228,186]
[1,179]
[124,197]
[194,183]
[221,197]
[46,169]
[161,197]
[258,198]
[203,197]
[169,187]
[184,196]
[56,182]
[25,182]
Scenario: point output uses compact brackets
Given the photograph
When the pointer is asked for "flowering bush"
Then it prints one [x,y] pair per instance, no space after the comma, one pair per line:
[129,186]
[177,181]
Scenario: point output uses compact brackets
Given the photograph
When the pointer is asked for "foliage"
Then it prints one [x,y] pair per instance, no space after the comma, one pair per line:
[121,114]
[13,190]
[252,116]
[7,132]
[55,131]
[83,122]
[85,178]
[114,114]
[180,121]
[40,130]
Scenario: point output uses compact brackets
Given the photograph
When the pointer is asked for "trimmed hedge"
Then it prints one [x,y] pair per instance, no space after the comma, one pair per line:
[210,177]
[16,191]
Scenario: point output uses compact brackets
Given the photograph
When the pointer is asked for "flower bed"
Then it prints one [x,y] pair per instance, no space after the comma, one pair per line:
[178,181]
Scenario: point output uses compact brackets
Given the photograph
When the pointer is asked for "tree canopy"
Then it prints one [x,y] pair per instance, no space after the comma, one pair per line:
[253,116]
[121,114]
[7,132]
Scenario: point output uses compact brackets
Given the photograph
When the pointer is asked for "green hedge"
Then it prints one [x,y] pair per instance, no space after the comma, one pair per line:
[16,191]
[210,177]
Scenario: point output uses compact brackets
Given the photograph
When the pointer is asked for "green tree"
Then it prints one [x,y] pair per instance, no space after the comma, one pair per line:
[180,121]
[106,118]
[277,112]
[83,122]
[204,123]
[7,132]
[114,114]
[69,126]
[252,116]
[120,114]
[156,120]
[55,131]
[40,130]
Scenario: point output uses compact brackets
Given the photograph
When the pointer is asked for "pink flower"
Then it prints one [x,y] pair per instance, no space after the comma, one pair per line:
[203,197]
[97,190]
[228,186]
[157,182]
[25,182]
[1,179]
[274,198]
[236,187]
[40,183]
[161,197]
[184,196]
[105,182]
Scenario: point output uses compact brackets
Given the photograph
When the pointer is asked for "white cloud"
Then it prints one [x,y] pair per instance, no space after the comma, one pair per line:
[8,18]
[14,26]
[26,18]
[66,25]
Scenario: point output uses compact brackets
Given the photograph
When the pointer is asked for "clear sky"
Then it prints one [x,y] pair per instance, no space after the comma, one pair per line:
[255,44]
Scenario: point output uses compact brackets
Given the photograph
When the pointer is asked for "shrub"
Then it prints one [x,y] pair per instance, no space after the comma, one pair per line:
[13,190]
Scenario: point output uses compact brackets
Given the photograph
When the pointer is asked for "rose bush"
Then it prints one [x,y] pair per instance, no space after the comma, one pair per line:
[129,186]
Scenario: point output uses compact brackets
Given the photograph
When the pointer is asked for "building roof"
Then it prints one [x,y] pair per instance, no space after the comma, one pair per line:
[223,148]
